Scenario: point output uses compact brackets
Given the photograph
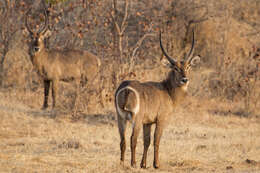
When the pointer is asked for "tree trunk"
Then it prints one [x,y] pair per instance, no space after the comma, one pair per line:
[114,31]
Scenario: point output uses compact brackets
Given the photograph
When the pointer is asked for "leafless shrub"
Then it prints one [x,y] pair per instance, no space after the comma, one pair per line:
[239,81]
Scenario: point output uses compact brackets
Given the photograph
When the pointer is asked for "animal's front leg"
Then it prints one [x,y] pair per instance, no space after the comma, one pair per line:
[136,129]
[54,92]
[46,84]
[157,138]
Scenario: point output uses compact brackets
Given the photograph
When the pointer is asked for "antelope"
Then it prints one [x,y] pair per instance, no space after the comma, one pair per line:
[150,103]
[59,65]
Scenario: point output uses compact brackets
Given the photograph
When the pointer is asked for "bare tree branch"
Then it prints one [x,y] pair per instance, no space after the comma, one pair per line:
[115,22]
[121,29]
[123,25]
[140,41]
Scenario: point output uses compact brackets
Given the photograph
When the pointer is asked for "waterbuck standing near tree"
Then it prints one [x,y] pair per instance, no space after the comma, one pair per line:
[150,103]
[55,65]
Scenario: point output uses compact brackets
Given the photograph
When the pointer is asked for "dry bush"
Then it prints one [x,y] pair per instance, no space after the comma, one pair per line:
[238,81]
[225,31]
[17,71]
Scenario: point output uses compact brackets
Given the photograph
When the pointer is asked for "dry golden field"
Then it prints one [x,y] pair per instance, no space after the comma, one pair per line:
[199,138]
[216,130]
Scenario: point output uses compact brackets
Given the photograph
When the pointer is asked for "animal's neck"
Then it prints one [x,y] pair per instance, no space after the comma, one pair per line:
[39,57]
[177,93]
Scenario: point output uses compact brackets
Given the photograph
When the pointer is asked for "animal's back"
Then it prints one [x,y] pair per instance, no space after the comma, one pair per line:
[70,64]
[147,99]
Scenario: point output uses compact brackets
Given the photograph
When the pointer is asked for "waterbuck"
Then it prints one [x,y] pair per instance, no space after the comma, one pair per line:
[55,65]
[150,103]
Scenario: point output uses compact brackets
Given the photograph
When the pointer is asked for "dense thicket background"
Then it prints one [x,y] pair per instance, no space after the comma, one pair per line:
[124,34]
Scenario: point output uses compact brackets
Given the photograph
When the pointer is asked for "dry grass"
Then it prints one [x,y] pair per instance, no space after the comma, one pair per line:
[205,140]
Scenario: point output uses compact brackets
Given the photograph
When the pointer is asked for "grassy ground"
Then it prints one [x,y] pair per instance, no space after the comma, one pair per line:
[198,139]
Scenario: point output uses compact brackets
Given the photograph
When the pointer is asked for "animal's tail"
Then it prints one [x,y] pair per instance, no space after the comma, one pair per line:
[120,103]
[121,98]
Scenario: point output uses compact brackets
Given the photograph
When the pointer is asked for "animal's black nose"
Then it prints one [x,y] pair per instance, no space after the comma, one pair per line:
[36,49]
[184,80]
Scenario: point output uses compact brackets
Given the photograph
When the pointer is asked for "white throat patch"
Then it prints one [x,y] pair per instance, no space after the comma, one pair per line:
[185,87]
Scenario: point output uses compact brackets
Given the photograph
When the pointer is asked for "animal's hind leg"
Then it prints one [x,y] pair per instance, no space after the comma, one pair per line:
[147,140]
[122,128]
[136,129]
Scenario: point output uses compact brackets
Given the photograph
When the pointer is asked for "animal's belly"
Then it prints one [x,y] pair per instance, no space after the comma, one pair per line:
[70,76]
[149,118]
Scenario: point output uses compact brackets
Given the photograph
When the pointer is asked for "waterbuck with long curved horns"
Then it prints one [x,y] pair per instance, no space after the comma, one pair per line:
[150,103]
[55,65]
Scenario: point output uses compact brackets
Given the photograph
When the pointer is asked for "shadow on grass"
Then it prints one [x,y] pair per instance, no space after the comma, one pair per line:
[28,111]
[238,113]
[92,119]
[98,119]
[43,113]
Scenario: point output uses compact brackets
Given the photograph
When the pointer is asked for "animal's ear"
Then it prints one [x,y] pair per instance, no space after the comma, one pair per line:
[45,34]
[195,60]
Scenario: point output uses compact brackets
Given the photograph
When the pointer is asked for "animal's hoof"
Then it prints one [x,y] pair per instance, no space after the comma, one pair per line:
[143,165]
[133,165]
[156,165]
[44,107]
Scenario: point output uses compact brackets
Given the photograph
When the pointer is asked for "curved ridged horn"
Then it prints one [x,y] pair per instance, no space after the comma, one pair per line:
[44,28]
[170,59]
[26,22]
[188,58]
